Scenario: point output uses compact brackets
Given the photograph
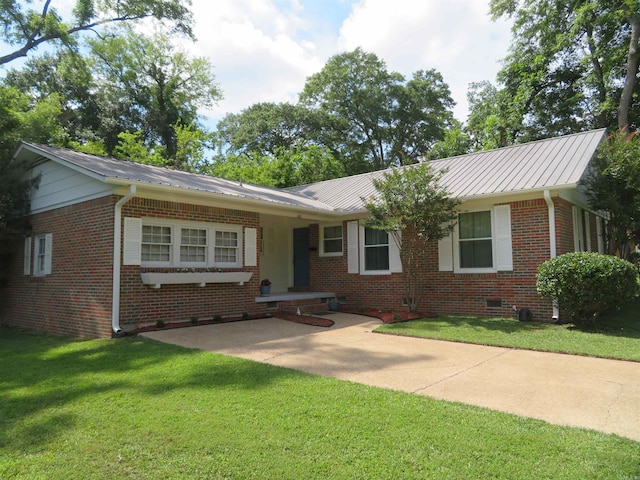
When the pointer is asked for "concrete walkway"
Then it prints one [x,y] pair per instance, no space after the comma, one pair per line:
[562,389]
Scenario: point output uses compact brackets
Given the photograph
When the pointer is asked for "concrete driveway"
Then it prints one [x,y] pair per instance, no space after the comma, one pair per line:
[562,389]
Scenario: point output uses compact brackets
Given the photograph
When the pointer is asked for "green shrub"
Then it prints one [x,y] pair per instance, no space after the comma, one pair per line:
[245,315]
[217,318]
[194,320]
[160,324]
[587,284]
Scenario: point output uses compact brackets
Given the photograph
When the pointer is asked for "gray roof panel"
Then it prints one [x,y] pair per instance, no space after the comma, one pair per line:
[536,166]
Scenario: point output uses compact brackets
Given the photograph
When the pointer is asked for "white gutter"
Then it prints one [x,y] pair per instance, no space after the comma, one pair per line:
[117,255]
[552,242]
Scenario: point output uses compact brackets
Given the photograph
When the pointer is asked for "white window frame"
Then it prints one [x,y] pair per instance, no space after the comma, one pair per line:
[42,254]
[323,253]
[150,263]
[176,236]
[363,270]
[456,245]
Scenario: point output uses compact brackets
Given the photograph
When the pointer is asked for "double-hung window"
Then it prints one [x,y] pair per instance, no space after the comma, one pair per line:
[193,246]
[331,241]
[376,250]
[475,240]
[480,242]
[226,247]
[42,254]
[157,241]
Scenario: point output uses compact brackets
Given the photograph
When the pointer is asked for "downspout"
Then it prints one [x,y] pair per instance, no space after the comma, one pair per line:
[117,256]
[552,243]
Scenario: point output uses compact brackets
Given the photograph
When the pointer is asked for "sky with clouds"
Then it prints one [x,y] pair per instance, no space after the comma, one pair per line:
[263,50]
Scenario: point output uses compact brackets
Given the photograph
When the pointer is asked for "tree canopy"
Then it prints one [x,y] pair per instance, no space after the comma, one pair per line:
[27,28]
[415,209]
[571,66]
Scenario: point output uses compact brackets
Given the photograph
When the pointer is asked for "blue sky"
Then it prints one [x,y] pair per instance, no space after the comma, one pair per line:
[263,50]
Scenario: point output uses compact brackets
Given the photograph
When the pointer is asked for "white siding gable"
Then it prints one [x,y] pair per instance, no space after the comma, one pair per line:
[60,186]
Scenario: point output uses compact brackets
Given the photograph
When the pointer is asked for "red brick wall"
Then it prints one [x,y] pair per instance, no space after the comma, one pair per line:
[460,294]
[76,298]
[142,305]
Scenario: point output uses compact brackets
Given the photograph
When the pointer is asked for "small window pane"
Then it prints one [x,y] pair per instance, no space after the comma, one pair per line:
[193,245]
[476,254]
[226,247]
[375,237]
[156,243]
[333,239]
[475,225]
[376,258]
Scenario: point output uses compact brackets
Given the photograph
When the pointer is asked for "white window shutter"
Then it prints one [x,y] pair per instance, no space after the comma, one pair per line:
[27,256]
[352,247]
[395,264]
[48,249]
[250,247]
[445,253]
[132,251]
[587,229]
[504,249]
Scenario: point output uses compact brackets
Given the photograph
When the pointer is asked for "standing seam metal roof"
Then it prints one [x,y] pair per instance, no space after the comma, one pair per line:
[554,163]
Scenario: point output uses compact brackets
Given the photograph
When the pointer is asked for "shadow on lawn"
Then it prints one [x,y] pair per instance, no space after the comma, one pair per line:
[43,374]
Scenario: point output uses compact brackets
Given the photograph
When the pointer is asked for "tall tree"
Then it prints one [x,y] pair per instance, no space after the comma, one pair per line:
[572,65]
[27,28]
[145,84]
[414,209]
[373,118]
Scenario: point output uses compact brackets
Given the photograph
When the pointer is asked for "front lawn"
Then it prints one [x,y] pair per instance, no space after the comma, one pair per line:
[616,335]
[136,409]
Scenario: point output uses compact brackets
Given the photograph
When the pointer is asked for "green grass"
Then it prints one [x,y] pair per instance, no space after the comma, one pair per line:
[616,335]
[136,409]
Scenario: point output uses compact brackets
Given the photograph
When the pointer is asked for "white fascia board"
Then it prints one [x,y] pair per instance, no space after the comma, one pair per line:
[184,195]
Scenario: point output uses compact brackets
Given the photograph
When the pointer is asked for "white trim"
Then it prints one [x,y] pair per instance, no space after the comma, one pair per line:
[132,241]
[176,233]
[321,233]
[250,247]
[501,242]
[552,224]
[362,248]
[42,250]
[353,256]
[395,247]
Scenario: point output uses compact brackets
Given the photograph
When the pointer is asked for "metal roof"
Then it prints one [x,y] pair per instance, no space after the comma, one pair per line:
[555,163]
[111,170]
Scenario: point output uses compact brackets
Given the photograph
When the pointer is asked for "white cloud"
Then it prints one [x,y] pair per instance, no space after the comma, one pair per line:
[456,37]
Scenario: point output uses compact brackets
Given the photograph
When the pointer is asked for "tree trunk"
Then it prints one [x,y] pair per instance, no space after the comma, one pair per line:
[632,68]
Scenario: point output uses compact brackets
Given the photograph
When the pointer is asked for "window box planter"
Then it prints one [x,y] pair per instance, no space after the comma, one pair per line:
[156,279]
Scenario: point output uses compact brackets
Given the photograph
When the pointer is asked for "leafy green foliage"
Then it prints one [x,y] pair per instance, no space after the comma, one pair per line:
[147,85]
[27,28]
[375,118]
[412,205]
[572,66]
[20,118]
[614,187]
[587,284]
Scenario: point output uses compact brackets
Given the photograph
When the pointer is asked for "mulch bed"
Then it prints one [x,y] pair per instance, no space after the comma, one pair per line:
[304,319]
[169,325]
[387,316]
